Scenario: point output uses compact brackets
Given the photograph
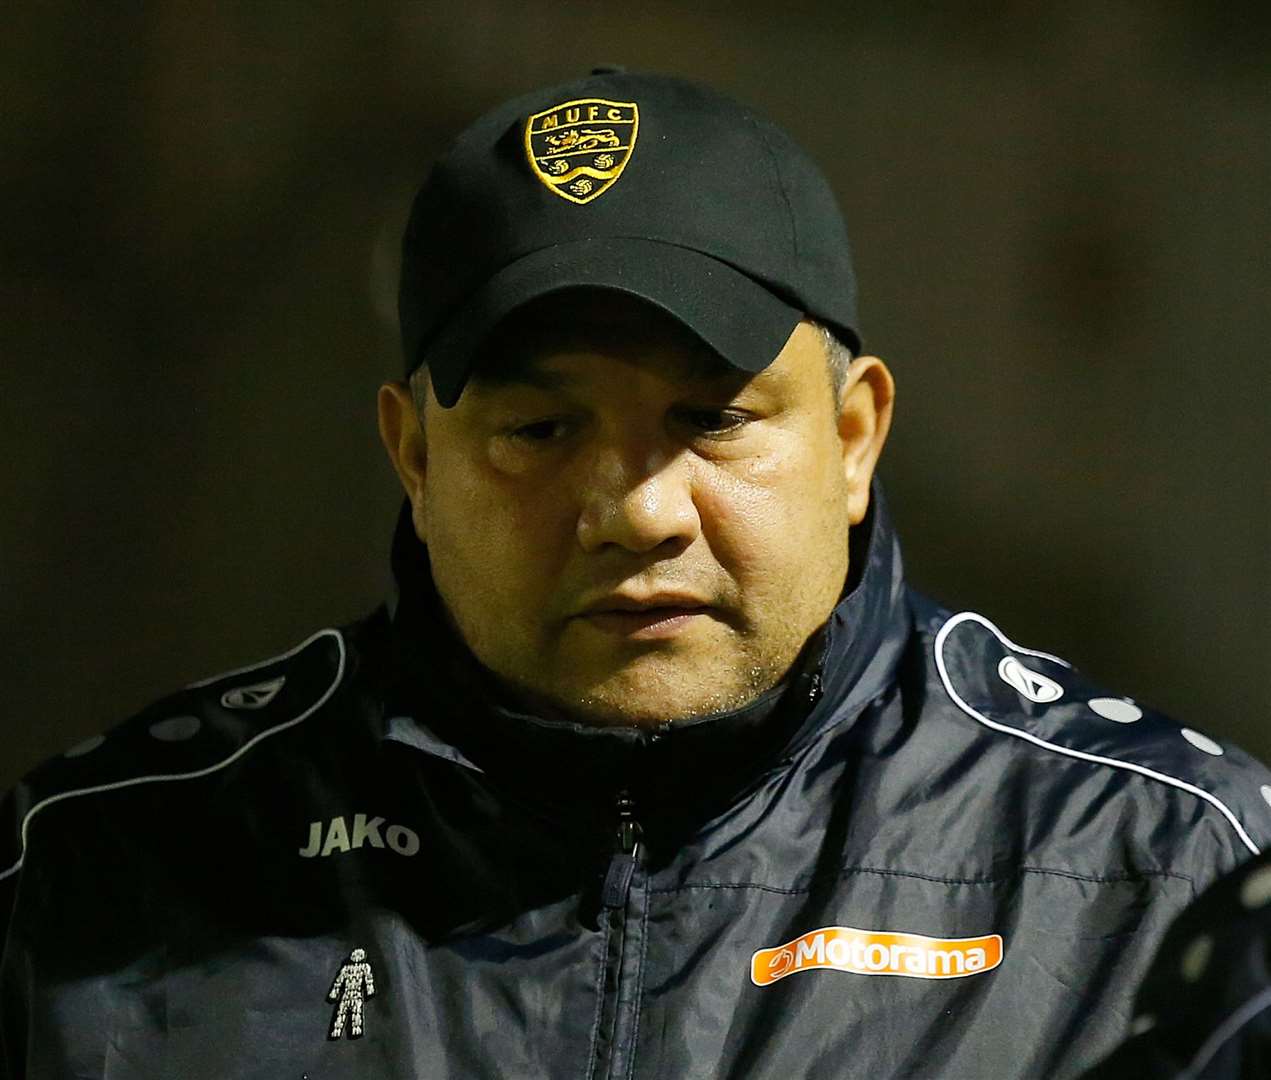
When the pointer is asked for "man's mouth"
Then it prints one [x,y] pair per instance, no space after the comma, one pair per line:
[648,623]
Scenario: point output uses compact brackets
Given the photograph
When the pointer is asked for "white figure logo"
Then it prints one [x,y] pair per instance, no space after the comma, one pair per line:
[352,986]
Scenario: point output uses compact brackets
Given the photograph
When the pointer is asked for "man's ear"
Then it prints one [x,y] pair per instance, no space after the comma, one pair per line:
[869,393]
[403,439]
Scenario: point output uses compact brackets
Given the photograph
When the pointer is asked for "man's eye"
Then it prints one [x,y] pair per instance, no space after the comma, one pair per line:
[716,421]
[539,431]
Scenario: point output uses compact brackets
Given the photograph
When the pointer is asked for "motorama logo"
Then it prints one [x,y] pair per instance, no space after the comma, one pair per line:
[869,952]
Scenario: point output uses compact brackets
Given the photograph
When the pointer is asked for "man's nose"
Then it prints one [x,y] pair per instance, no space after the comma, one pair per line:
[637,501]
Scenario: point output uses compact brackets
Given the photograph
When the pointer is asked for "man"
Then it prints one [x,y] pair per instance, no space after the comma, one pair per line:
[652,766]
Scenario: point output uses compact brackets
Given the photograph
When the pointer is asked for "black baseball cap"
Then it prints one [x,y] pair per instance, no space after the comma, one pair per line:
[647,184]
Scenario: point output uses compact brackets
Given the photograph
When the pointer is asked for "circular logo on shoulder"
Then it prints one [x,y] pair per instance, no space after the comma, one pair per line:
[256,696]
[1032,684]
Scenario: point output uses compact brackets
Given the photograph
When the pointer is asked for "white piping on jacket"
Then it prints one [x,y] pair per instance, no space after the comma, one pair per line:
[26,821]
[1173,781]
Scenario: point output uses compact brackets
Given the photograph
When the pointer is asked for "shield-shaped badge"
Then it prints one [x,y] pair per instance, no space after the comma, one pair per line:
[578,149]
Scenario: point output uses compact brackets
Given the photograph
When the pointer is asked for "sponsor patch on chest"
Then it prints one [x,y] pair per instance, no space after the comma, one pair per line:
[877,952]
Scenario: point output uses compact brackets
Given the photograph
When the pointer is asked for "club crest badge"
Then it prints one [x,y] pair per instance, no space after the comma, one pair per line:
[578,149]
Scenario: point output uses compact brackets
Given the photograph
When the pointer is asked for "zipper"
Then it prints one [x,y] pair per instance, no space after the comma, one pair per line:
[815,688]
[622,862]
[618,1008]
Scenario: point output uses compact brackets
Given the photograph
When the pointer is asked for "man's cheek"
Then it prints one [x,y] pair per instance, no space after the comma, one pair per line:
[747,522]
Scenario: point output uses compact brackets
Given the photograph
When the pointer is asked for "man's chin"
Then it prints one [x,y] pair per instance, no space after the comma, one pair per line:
[647,699]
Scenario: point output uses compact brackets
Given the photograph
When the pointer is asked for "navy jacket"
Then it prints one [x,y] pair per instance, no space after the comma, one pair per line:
[930,851]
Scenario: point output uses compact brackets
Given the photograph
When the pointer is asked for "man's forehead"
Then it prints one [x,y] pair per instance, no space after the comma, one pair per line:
[543,343]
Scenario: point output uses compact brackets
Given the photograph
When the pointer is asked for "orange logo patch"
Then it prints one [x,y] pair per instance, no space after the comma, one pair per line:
[578,149]
[869,952]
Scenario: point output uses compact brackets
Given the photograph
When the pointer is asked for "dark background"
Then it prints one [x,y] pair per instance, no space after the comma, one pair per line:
[1060,216]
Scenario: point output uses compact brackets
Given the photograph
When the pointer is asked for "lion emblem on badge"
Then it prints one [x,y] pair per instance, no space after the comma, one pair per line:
[574,139]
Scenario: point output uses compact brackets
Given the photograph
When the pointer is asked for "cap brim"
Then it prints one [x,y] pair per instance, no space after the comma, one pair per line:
[734,315]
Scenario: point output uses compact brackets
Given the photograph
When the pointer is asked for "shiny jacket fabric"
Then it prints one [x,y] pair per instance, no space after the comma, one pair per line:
[930,851]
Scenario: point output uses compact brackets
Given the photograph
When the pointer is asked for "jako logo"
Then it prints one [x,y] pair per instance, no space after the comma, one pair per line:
[867,952]
[256,696]
[1032,684]
[366,830]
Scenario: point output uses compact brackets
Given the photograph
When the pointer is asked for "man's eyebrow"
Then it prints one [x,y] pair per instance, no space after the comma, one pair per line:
[521,374]
[763,377]
[730,379]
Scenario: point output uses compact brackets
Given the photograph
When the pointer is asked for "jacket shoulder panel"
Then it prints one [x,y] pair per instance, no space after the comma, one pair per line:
[1042,699]
[204,728]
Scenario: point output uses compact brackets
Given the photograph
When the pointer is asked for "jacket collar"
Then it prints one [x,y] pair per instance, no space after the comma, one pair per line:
[455,706]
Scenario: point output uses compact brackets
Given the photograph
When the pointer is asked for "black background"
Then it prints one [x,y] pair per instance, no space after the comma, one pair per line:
[1061,225]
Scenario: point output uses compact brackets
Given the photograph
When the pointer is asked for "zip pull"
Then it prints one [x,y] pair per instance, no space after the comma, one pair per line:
[816,689]
[623,862]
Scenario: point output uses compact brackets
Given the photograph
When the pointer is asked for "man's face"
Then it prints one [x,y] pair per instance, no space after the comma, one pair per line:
[600,453]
